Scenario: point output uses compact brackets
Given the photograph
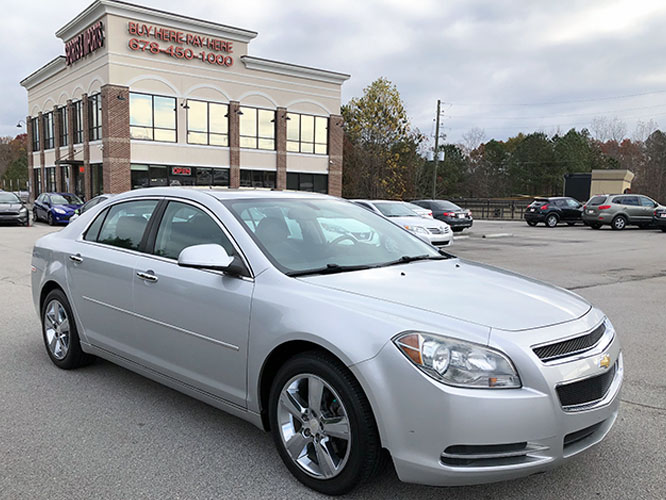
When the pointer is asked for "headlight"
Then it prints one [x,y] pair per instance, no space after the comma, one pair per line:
[458,363]
[23,210]
[59,211]
[417,229]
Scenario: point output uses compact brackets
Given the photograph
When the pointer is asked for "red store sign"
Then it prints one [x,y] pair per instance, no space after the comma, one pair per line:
[181,171]
[151,39]
[84,43]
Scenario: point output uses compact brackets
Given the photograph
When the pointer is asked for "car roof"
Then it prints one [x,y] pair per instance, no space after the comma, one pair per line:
[223,193]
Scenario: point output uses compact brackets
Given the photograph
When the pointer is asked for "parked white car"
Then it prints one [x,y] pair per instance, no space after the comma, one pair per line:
[436,232]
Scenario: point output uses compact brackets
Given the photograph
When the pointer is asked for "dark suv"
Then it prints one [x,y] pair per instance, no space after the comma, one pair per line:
[553,210]
[456,217]
[619,211]
[659,218]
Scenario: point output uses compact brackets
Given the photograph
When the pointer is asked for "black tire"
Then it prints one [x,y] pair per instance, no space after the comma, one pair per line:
[531,223]
[457,229]
[365,455]
[663,229]
[619,223]
[595,225]
[552,220]
[571,223]
[49,219]
[35,218]
[74,357]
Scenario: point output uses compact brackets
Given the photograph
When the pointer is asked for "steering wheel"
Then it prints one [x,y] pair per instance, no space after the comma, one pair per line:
[342,238]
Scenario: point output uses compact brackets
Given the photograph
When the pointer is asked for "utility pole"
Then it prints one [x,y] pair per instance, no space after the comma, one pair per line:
[436,155]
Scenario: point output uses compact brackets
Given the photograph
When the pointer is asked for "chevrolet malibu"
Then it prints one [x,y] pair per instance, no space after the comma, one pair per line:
[335,330]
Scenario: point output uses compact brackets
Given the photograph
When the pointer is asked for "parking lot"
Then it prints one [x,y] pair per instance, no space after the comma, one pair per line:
[104,432]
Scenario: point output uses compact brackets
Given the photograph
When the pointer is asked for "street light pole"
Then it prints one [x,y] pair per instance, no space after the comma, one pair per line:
[436,155]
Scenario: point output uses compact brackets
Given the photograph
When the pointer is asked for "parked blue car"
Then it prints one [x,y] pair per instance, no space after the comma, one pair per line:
[55,208]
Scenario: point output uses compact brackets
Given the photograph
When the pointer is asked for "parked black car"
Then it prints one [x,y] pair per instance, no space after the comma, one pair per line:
[12,209]
[552,210]
[659,218]
[456,217]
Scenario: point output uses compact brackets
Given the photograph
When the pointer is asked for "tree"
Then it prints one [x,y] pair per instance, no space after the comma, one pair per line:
[472,139]
[380,151]
[13,161]
[608,129]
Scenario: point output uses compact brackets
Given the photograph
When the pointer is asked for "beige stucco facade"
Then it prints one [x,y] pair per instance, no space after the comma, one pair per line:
[247,81]
[610,181]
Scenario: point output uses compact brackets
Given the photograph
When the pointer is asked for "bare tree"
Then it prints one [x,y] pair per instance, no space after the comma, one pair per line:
[472,139]
[608,129]
[643,130]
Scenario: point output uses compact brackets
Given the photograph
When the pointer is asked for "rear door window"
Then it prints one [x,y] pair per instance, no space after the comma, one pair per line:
[126,223]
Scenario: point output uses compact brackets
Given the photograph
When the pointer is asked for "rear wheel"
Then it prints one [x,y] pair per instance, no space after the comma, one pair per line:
[552,220]
[457,229]
[663,229]
[619,223]
[61,337]
[322,424]
[595,225]
[571,223]
[531,223]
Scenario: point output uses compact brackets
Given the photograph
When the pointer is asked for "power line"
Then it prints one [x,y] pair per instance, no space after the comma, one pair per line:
[481,115]
[549,103]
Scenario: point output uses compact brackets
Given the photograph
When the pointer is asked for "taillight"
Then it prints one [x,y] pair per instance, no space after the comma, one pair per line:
[604,207]
[544,207]
[584,207]
[448,214]
[429,214]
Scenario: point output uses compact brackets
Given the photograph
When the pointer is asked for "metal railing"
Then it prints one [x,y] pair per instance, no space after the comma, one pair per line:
[495,208]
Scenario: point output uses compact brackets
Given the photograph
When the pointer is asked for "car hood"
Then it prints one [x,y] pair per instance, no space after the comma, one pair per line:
[67,207]
[464,290]
[10,206]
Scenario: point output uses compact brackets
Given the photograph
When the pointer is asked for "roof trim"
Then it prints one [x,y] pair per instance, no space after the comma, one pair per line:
[101,7]
[51,68]
[294,70]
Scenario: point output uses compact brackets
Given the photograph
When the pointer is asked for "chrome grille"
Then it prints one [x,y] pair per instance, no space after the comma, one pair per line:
[435,230]
[5,212]
[570,347]
[586,391]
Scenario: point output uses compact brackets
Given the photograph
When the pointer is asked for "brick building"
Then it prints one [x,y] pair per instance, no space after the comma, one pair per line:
[150,98]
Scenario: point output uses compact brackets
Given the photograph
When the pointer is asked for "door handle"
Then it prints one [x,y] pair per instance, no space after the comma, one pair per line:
[148,276]
[76,258]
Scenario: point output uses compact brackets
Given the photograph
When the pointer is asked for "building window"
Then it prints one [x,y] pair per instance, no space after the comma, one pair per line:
[307,133]
[257,128]
[95,117]
[207,123]
[152,117]
[317,183]
[173,175]
[257,178]
[64,126]
[77,108]
[37,174]
[47,120]
[50,179]
[96,179]
[35,134]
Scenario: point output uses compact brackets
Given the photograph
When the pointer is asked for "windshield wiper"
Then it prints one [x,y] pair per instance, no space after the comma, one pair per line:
[329,269]
[405,259]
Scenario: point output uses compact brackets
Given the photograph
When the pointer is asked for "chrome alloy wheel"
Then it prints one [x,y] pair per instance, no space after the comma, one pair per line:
[314,426]
[56,327]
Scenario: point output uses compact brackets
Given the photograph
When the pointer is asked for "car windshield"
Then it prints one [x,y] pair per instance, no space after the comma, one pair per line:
[322,236]
[9,198]
[394,209]
[65,199]
[446,205]
[415,208]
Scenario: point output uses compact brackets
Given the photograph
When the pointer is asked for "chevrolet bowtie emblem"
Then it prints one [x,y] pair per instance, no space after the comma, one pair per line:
[604,362]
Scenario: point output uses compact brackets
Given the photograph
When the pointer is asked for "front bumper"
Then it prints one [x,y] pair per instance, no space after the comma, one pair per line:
[443,239]
[20,218]
[420,418]
[61,218]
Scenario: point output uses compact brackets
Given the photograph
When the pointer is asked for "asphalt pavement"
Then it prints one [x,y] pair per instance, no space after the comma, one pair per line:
[105,432]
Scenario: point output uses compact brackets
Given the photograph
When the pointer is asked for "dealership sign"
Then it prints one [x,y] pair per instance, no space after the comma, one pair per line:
[154,40]
[181,171]
[84,43]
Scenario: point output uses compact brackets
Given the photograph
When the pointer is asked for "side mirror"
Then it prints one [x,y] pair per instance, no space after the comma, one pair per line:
[74,216]
[210,256]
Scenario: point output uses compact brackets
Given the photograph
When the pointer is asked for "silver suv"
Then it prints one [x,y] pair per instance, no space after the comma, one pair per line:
[619,211]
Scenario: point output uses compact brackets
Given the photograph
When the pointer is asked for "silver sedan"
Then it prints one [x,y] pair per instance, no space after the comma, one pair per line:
[346,336]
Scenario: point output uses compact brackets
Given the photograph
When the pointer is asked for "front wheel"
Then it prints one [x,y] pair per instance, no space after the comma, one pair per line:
[35,217]
[50,219]
[322,424]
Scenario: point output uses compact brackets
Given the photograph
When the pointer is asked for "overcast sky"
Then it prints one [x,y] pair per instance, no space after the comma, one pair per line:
[504,66]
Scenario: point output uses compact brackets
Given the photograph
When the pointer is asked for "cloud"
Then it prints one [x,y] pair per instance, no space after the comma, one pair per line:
[505,66]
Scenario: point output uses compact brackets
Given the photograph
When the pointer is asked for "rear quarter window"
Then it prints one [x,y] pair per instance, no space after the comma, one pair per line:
[595,201]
